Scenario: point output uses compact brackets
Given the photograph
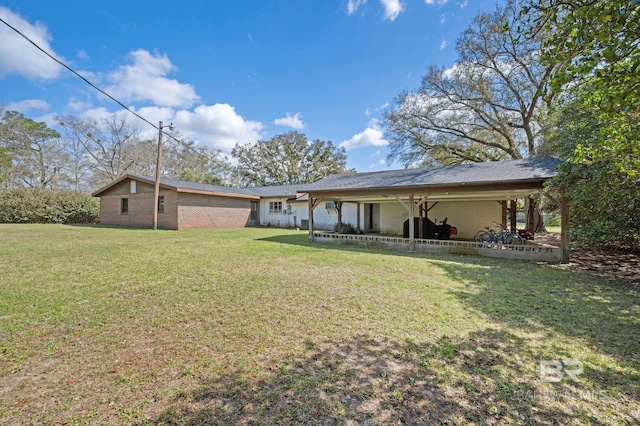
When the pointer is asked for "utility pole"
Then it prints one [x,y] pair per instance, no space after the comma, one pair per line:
[156,193]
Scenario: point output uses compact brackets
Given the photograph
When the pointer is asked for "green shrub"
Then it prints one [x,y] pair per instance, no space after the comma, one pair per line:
[553,219]
[34,205]
[347,228]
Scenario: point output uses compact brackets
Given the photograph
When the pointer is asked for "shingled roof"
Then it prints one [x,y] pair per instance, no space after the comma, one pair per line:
[533,171]
[185,186]
[278,190]
[510,171]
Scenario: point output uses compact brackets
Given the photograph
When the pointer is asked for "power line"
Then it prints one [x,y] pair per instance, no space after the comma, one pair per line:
[99,89]
[78,75]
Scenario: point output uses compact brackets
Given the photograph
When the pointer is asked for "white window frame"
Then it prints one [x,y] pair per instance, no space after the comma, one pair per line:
[275,207]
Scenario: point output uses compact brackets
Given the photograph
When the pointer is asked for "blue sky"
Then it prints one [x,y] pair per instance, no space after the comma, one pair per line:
[232,71]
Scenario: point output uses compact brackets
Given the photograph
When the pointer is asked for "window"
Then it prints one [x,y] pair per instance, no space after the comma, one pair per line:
[275,206]
[124,205]
[161,204]
[132,189]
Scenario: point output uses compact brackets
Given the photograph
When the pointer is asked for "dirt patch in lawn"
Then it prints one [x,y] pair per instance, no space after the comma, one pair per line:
[374,381]
[617,263]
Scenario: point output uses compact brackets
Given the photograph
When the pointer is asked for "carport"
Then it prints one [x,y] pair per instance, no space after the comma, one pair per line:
[418,189]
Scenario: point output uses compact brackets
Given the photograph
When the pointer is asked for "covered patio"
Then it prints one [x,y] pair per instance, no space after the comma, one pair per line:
[483,190]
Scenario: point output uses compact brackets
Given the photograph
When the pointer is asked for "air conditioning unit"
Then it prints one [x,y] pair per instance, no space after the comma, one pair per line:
[284,211]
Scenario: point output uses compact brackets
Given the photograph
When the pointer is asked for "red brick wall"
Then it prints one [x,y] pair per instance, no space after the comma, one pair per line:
[197,211]
[141,203]
[181,210]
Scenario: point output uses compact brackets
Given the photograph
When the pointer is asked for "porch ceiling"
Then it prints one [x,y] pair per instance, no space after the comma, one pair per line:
[432,194]
[462,196]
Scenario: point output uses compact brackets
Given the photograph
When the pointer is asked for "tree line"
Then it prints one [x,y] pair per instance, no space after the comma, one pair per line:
[85,154]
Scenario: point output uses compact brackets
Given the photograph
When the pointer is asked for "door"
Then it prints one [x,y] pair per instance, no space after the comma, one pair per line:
[253,218]
[372,217]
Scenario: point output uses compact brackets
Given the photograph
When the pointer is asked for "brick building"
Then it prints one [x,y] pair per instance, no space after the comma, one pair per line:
[128,201]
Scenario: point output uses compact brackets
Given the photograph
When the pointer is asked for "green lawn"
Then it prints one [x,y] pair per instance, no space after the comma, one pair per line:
[101,325]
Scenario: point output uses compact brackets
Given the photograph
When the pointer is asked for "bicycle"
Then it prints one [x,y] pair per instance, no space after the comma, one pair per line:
[502,235]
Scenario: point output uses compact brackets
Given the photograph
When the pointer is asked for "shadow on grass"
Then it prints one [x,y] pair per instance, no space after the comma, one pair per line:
[303,241]
[365,380]
[571,310]
[568,314]
[537,296]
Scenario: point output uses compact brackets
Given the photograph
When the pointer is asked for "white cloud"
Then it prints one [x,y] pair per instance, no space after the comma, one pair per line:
[28,105]
[452,71]
[18,56]
[392,9]
[217,126]
[154,115]
[382,107]
[378,165]
[97,114]
[434,2]
[464,4]
[83,55]
[145,80]
[371,136]
[353,5]
[290,121]
[78,106]
[443,19]
[444,44]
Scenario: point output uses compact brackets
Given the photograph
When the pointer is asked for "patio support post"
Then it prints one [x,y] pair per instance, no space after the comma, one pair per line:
[412,242]
[339,209]
[420,222]
[564,227]
[504,212]
[512,215]
[310,218]
[313,202]
[358,219]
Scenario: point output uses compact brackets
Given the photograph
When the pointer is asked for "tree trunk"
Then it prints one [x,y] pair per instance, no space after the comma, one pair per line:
[538,218]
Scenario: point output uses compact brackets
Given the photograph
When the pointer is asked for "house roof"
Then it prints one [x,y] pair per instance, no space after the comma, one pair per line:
[499,180]
[289,191]
[278,190]
[531,169]
[502,179]
[184,186]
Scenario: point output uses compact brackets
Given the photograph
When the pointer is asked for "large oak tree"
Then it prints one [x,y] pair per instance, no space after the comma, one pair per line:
[288,158]
[491,105]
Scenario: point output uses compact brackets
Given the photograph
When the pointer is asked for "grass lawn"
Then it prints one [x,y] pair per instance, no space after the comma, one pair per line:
[255,326]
